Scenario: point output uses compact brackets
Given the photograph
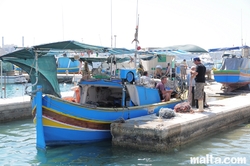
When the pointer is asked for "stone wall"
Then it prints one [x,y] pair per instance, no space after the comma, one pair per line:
[15,111]
[151,133]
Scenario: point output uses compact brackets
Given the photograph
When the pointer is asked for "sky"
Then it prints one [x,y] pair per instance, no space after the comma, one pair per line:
[205,23]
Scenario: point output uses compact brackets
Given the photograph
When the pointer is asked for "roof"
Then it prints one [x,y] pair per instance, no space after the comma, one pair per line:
[70,45]
[188,47]
[227,48]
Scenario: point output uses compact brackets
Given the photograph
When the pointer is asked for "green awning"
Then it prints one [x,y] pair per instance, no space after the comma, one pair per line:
[69,45]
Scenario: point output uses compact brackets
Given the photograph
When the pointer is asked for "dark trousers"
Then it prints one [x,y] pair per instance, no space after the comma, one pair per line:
[193,100]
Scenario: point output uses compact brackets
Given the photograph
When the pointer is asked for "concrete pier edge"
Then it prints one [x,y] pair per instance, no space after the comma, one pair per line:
[16,108]
[162,135]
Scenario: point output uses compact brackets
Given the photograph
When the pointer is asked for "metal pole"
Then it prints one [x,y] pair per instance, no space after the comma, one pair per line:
[5,79]
[111,27]
[1,78]
[136,36]
[115,40]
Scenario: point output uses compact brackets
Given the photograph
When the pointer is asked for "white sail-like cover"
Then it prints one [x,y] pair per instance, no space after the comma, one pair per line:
[133,93]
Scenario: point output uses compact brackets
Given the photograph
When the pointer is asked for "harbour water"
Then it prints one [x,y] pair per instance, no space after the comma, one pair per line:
[16,90]
[18,147]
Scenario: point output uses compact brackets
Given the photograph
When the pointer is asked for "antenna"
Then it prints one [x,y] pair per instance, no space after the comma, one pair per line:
[62,24]
[136,33]
[111,27]
[22,41]
[241,29]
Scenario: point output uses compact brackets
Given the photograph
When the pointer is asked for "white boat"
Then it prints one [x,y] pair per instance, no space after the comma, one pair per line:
[16,79]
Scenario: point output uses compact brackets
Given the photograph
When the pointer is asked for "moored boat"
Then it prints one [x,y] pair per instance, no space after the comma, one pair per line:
[15,79]
[65,65]
[234,72]
[98,101]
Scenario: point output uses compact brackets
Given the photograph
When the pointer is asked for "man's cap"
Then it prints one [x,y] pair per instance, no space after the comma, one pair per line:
[196,59]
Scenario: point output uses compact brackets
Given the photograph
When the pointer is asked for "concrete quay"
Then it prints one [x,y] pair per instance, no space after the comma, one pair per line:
[15,108]
[150,133]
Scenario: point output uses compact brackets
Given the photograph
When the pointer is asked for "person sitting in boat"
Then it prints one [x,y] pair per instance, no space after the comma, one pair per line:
[158,72]
[165,93]
[145,79]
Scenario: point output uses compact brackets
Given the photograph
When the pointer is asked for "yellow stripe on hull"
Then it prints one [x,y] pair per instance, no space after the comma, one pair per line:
[70,116]
[52,123]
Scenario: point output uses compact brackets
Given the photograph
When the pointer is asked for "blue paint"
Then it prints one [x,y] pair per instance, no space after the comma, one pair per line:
[76,136]
[178,70]
[111,83]
[148,95]
[124,72]
[123,96]
[64,63]
[40,141]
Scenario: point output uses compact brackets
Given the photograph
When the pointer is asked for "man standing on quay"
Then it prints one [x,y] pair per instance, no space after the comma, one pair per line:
[200,82]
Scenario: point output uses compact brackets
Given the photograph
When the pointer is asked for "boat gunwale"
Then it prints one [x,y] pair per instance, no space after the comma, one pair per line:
[131,108]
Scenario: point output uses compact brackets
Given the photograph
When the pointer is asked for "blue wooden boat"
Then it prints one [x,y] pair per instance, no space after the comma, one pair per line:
[234,72]
[66,65]
[98,101]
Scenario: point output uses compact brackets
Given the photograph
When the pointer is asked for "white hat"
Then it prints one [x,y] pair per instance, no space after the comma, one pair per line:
[158,66]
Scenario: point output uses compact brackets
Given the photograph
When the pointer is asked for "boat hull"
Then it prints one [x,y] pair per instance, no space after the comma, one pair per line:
[233,79]
[68,70]
[67,122]
[65,65]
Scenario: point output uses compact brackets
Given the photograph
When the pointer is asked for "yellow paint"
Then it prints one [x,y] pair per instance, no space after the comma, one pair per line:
[53,123]
[74,117]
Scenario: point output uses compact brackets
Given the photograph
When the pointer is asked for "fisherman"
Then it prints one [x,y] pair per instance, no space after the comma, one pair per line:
[191,85]
[165,93]
[199,82]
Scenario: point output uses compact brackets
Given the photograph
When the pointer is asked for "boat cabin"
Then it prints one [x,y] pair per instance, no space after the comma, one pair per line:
[115,94]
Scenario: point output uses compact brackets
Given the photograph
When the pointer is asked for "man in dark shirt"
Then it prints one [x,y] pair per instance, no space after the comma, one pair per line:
[200,82]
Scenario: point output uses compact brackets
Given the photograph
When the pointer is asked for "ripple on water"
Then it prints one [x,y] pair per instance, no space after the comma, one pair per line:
[18,147]
[17,144]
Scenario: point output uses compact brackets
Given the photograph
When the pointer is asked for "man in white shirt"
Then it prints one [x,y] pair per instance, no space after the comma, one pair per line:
[145,79]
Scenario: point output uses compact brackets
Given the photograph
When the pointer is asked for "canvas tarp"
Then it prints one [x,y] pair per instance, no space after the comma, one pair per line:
[235,64]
